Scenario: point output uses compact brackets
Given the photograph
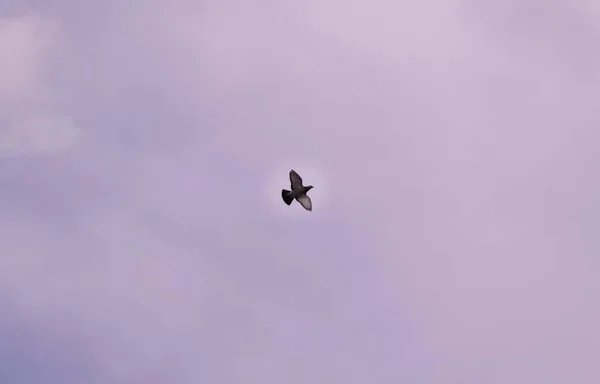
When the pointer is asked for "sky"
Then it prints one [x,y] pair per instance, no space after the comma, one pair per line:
[453,149]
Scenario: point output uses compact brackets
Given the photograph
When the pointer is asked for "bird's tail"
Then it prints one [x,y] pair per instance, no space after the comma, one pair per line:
[286,195]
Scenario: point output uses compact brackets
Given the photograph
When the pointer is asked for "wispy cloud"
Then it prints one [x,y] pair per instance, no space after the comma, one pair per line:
[31,122]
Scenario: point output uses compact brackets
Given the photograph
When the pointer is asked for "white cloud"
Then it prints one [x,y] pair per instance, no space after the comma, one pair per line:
[29,120]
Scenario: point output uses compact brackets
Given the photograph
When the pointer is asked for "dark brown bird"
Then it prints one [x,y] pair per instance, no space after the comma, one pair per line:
[298,192]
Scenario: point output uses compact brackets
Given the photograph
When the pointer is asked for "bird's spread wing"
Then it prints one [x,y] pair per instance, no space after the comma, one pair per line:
[295,179]
[304,200]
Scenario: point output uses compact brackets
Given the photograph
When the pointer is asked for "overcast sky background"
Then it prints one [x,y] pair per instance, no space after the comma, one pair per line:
[453,146]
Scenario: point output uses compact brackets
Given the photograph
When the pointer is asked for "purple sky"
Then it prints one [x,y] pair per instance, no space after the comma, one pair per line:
[454,147]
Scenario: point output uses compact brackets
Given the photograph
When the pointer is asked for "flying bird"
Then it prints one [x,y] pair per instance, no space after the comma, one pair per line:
[298,192]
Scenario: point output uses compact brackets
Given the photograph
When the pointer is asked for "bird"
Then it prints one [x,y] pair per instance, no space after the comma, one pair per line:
[298,192]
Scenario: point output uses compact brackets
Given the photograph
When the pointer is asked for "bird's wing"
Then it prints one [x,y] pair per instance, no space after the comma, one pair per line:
[304,200]
[295,179]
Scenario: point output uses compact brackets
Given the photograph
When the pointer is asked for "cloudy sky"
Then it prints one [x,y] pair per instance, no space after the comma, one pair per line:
[454,150]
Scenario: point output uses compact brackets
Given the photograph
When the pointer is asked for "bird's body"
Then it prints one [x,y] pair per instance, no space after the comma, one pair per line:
[298,192]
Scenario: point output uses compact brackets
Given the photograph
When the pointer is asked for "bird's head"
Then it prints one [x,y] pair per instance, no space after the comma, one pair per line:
[308,188]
